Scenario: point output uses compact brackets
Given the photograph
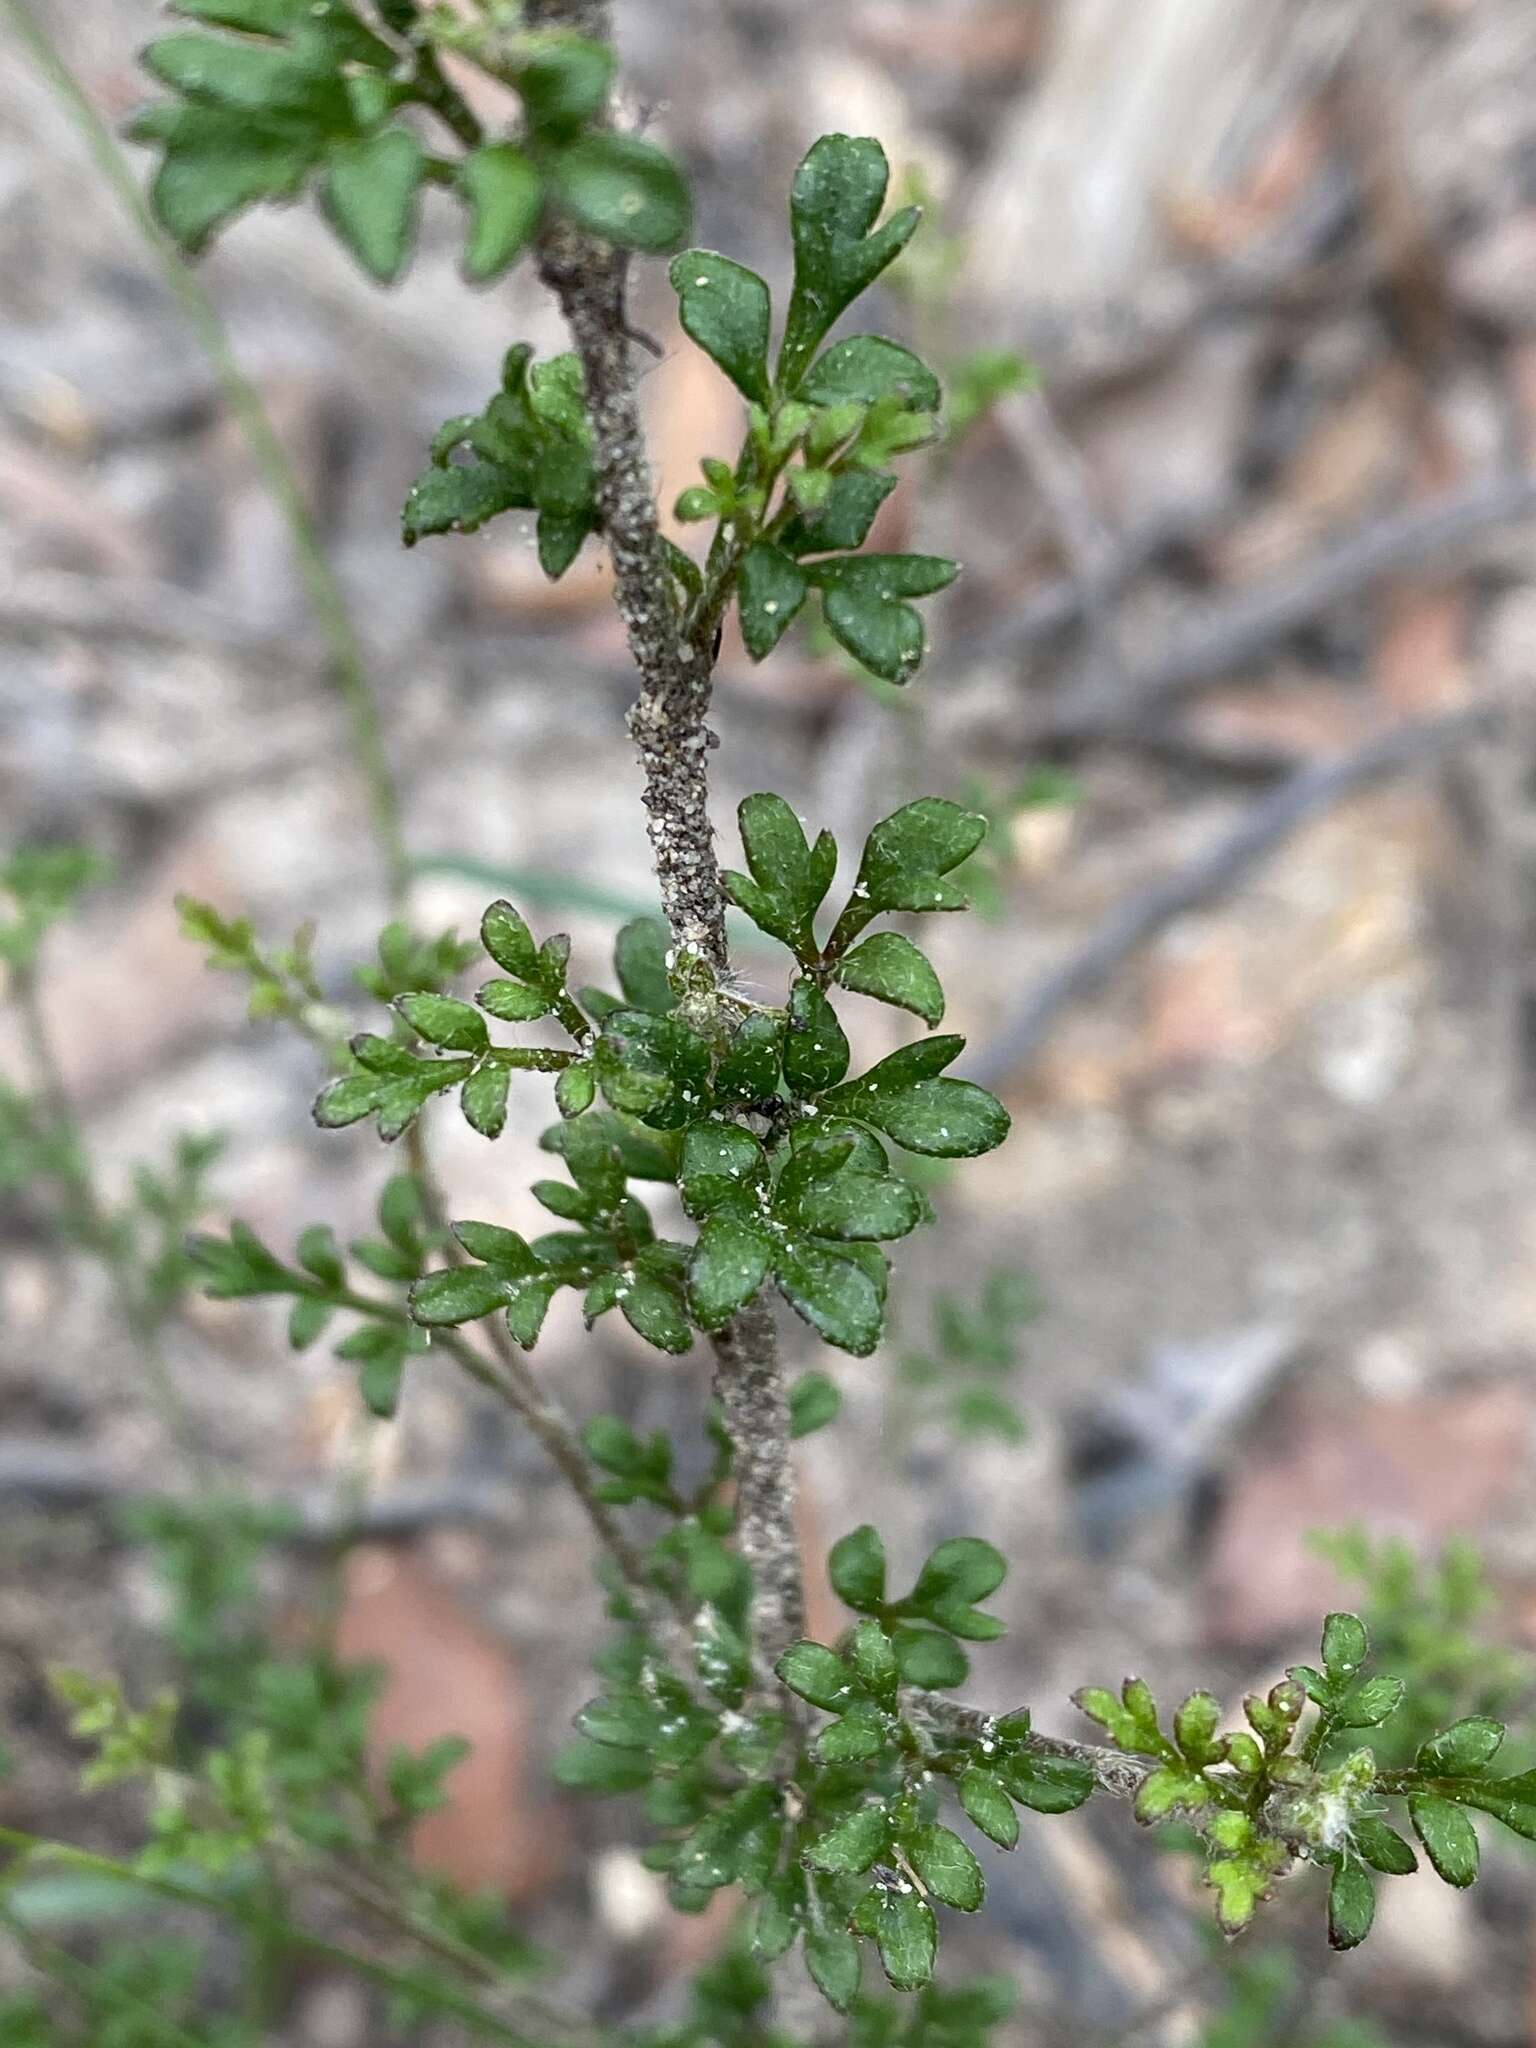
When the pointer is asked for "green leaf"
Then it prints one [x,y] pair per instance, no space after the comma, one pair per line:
[862,1733]
[509,942]
[370,197]
[253,78]
[1351,1904]
[444,1021]
[944,1119]
[956,1575]
[947,1868]
[846,517]
[729,1265]
[1047,1784]
[1462,1750]
[835,200]
[1129,1721]
[903,1928]
[654,1068]
[985,1799]
[640,961]
[1382,1847]
[560,537]
[749,1067]
[815,1048]
[575,1090]
[1511,1800]
[654,1312]
[505,194]
[1368,1702]
[771,587]
[833,1958]
[1345,1644]
[380,1379]
[863,599]
[1194,1728]
[867,367]
[459,1295]
[907,853]
[819,1675]
[459,499]
[622,189]
[874,1658]
[720,1163]
[891,969]
[512,1002]
[563,80]
[853,1843]
[256,17]
[929,1659]
[726,310]
[483,1100]
[1173,1789]
[307,1320]
[813,1402]
[1449,1838]
[215,170]
[832,1291]
[593,1767]
[856,1567]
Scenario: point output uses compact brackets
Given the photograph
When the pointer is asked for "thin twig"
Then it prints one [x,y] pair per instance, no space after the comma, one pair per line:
[1261,831]
[323,589]
[285,1933]
[1245,629]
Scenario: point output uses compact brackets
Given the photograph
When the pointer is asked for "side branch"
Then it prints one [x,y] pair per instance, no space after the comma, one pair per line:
[1114,1770]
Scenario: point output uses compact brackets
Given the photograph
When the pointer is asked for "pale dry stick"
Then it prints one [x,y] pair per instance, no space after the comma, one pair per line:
[668,726]
[1061,477]
[1247,628]
[1258,834]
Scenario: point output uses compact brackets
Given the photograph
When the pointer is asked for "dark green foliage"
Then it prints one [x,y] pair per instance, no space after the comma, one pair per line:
[822,430]
[531,450]
[321,94]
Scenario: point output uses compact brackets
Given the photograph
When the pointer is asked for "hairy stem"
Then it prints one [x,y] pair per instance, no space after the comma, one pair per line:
[749,1386]
[1114,1771]
[327,600]
[667,724]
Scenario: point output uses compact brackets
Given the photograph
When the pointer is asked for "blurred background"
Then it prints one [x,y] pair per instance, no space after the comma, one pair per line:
[1240,667]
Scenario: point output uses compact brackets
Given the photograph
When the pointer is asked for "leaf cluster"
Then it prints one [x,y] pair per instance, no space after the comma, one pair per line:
[273,97]
[778,1153]
[1291,1786]
[823,425]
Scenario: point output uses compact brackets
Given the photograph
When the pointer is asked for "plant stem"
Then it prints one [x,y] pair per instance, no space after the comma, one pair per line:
[667,724]
[1114,1771]
[749,1386]
[326,598]
[66,1970]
